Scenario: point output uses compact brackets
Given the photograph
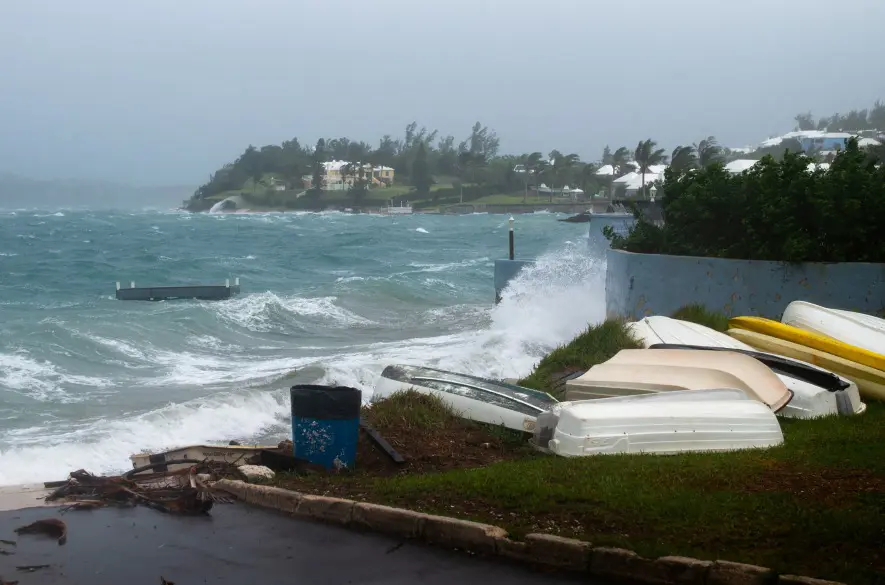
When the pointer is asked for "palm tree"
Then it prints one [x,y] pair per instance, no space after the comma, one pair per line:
[708,151]
[683,158]
[617,160]
[531,164]
[346,170]
[588,171]
[646,156]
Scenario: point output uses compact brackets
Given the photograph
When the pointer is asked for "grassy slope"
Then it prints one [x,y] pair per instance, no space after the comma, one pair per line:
[812,506]
[700,315]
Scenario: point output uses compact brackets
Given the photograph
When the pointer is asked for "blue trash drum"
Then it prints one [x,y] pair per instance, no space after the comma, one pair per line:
[325,424]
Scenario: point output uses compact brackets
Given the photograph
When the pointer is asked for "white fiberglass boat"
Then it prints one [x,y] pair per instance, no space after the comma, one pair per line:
[816,391]
[610,379]
[165,460]
[670,422]
[479,399]
[764,385]
[858,329]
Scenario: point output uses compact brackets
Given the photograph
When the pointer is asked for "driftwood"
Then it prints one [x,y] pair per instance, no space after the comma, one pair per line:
[176,492]
[52,527]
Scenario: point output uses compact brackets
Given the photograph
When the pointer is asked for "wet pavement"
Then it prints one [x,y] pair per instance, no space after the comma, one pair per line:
[234,544]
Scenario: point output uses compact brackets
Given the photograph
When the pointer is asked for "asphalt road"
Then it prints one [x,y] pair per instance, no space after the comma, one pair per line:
[235,544]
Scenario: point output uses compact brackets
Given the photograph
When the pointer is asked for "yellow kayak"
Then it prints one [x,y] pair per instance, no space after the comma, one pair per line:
[810,339]
[870,381]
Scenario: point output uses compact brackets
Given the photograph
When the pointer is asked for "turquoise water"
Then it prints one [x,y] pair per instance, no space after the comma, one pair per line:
[86,380]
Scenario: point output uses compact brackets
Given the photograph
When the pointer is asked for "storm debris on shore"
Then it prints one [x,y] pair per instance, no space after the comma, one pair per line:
[183,491]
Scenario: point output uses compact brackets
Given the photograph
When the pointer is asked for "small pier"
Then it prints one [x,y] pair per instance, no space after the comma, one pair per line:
[205,292]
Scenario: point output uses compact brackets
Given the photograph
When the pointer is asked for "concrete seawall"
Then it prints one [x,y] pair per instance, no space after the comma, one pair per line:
[506,270]
[637,285]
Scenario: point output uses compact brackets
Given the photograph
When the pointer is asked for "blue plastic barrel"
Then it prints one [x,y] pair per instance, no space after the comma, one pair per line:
[326,424]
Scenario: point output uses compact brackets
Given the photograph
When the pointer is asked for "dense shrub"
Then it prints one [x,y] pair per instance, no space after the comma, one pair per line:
[778,210]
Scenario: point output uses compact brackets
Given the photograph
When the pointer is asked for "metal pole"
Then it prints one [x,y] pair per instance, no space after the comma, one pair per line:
[511,237]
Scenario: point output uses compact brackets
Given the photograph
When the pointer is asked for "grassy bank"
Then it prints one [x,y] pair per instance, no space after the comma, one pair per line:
[812,506]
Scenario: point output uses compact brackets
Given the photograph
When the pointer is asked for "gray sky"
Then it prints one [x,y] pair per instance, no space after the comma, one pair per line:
[166,91]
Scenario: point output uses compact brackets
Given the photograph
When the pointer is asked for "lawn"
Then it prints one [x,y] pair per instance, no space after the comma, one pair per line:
[813,506]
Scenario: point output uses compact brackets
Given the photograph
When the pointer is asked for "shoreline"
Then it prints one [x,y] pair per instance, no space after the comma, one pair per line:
[24,496]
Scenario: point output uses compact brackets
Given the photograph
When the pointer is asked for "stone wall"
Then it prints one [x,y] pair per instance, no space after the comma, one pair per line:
[637,285]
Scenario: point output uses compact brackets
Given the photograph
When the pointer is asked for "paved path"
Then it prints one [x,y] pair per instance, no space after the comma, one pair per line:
[235,544]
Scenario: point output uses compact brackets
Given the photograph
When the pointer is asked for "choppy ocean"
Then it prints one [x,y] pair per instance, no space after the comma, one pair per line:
[86,380]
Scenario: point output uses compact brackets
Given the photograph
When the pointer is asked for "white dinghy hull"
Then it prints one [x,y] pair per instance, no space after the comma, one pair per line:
[666,423]
[858,329]
[478,399]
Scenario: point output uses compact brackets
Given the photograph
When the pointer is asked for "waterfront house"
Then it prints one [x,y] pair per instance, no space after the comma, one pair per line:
[340,175]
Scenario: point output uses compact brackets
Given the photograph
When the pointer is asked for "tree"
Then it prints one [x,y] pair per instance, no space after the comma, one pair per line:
[606,155]
[421,178]
[805,121]
[617,160]
[708,151]
[447,160]
[588,177]
[646,156]
[683,159]
[776,211]
[620,159]
[318,169]
[877,117]
[361,172]
[531,165]
[561,164]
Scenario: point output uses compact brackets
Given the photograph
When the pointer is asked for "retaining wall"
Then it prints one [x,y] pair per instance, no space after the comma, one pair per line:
[546,551]
[638,285]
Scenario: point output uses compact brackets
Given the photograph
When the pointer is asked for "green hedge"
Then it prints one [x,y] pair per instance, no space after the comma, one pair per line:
[777,210]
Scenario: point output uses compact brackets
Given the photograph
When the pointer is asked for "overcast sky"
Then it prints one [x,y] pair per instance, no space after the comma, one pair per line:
[166,91]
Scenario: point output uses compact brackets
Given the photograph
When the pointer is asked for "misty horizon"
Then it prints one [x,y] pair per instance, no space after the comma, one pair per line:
[166,93]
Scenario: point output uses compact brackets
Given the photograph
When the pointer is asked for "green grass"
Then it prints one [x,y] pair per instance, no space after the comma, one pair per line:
[596,345]
[700,315]
[503,199]
[813,506]
[410,410]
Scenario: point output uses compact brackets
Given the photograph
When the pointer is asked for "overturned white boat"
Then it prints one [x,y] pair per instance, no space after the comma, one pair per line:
[479,399]
[816,391]
[858,329]
[718,419]
[167,460]
[628,376]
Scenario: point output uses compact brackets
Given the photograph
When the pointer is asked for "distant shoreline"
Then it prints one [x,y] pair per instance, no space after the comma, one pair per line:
[461,209]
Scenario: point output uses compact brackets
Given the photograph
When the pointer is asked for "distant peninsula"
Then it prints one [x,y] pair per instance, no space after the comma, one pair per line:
[433,172]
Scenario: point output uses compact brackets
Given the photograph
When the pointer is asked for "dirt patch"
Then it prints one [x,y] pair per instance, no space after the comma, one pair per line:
[826,485]
[446,443]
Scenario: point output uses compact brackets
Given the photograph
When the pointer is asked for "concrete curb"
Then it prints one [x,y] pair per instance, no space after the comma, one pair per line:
[544,550]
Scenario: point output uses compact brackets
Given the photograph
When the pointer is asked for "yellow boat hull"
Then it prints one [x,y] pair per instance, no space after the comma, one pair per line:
[870,381]
[810,339]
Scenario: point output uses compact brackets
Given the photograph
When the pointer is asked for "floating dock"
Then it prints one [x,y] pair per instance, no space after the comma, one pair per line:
[205,292]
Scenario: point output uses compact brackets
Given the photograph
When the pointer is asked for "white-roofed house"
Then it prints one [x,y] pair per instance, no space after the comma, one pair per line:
[740,165]
[631,183]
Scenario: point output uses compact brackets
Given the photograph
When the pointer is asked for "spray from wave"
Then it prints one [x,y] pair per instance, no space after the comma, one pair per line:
[544,306]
